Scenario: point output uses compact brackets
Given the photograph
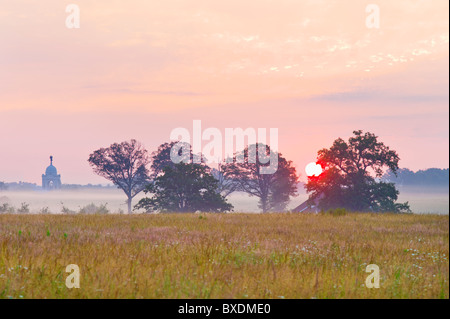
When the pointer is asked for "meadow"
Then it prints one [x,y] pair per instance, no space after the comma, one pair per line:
[235,255]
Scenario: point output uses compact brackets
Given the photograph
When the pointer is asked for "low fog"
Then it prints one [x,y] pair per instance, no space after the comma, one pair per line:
[423,200]
[115,200]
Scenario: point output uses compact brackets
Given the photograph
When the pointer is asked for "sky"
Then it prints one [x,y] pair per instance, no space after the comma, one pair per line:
[140,68]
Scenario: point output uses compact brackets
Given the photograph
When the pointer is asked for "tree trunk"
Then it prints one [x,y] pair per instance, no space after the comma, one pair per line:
[264,204]
[129,205]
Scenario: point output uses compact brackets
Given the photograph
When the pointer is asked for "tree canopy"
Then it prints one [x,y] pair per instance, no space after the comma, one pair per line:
[124,164]
[161,158]
[273,190]
[184,187]
[351,176]
[225,185]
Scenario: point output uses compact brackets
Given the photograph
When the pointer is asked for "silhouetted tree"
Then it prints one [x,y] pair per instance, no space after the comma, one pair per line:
[273,190]
[184,187]
[161,158]
[349,179]
[124,164]
[225,186]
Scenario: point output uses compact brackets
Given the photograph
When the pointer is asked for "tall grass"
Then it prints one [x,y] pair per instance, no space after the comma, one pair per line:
[224,255]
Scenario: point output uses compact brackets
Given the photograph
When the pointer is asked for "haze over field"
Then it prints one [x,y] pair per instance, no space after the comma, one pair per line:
[422,200]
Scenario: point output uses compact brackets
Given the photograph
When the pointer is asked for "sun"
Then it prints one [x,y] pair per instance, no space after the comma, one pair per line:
[313,169]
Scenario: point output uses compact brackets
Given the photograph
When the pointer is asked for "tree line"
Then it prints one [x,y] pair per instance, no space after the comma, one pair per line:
[429,177]
[190,187]
[351,177]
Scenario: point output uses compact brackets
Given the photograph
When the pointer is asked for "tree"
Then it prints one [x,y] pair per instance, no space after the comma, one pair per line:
[184,187]
[351,170]
[124,164]
[273,190]
[225,186]
[161,157]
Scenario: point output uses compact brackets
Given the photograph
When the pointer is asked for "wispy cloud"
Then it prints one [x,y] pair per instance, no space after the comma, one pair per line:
[302,66]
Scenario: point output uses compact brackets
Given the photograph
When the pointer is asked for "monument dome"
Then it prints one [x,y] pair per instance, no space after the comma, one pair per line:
[51,179]
[51,170]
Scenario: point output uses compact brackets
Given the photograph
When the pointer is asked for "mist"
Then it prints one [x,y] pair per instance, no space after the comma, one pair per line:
[423,200]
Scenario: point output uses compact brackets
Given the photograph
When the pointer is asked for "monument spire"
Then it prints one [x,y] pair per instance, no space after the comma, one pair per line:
[51,179]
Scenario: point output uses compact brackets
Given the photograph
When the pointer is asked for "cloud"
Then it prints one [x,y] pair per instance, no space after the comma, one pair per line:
[302,66]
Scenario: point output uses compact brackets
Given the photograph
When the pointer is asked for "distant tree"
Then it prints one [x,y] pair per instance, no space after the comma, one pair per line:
[429,177]
[349,179]
[124,164]
[161,158]
[3,186]
[184,187]
[433,176]
[273,190]
[402,175]
[24,208]
[225,186]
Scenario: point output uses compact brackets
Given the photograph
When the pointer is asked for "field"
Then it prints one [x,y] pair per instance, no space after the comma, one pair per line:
[224,255]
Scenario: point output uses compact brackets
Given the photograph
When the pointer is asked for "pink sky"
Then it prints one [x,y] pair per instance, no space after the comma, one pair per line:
[138,69]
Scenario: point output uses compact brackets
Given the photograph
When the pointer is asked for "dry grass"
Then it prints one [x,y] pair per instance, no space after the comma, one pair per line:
[224,255]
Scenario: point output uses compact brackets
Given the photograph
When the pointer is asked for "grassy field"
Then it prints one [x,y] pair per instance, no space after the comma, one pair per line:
[224,255]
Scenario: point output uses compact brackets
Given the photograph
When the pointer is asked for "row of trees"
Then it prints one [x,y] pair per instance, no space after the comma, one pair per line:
[190,187]
[429,177]
[350,178]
